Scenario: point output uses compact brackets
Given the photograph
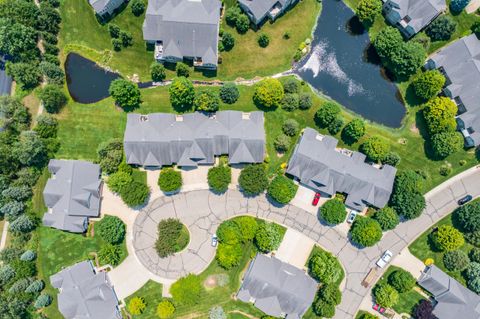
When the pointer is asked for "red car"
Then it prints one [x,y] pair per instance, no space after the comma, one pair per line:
[316,198]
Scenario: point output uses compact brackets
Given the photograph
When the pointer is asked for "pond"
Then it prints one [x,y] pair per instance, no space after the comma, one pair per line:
[87,82]
[343,65]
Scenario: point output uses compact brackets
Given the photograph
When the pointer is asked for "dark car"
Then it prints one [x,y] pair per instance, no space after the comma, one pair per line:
[465,199]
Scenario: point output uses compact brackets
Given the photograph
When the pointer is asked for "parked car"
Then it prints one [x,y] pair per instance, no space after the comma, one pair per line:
[378,308]
[351,216]
[214,240]
[316,198]
[465,199]
[385,259]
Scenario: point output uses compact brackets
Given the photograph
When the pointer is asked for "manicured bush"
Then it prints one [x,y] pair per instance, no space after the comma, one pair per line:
[136,306]
[229,93]
[135,193]
[229,256]
[387,218]
[468,216]
[475,255]
[182,94]
[291,85]
[325,267]
[47,126]
[253,179]
[442,28]
[376,148]
[333,211]
[290,102]
[268,237]
[219,177]
[172,237]
[187,290]
[35,287]
[282,189]
[263,40]
[353,131]
[182,70]
[118,181]
[19,286]
[138,7]
[385,295]
[42,301]
[111,229]
[248,227]
[447,238]
[206,101]
[228,41]
[53,98]
[282,143]
[165,309]
[326,114]
[368,10]
[305,101]
[290,127]
[428,84]
[28,255]
[446,143]
[392,159]
[424,310]
[458,5]
[110,254]
[229,232]
[217,313]
[365,231]
[455,260]
[158,72]
[330,294]
[439,114]
[268,93]
[401,280]
[323,309]
[407,198]
[125,93]
[170,180]
[243,23]
[473,238]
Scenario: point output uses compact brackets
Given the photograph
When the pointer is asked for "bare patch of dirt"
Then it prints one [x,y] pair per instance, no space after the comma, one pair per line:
[210,282]
[414,129]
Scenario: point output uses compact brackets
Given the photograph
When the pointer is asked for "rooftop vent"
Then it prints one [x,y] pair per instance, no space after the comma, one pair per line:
[345,152]
[319,137]
[178,118]
[143,118]
[245,116]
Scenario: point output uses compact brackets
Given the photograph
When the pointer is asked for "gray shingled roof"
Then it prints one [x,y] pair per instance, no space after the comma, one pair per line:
[453,299]
[277,288]
[461,63]
[5,80]
[187,28]
[160,139]
[317,163]
[72,194]
[85,293]
[260,8]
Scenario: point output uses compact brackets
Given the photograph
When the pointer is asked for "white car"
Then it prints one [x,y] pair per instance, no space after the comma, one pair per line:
[385,259]
[214,240]
[351,216]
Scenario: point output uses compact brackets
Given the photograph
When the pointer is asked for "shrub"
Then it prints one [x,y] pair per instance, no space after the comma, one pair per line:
[330,294]
[290,102]
[27,75]
[368,315]
[11,210]
[158,72]
[439,114]
[268,93]
[243,23]
[333,211]
[138,7]
[228,41]
[428,84]
[424,310]
[392,159]
[53,73]
[324,267]
[376,148]
[136,306]
[447,238]
[229,256]
[35,287]
[474,284]
[473,238]
[231,15]
[110,155]
[118,181]
[187,290]
[336,125]
[53,98]
[445,170]
[353,131]
[305,101]
[114,30]
[229,232]
[248,227]
[206,101]
[476,28]
[263,40]
[326,114]
[282,189]
[125,93]
[182,70]
[229,93]
[47,126]
[182,94]
[253,179]
[473,270]
[446,143]
[126,38]
[170,180]
[116,44]
[385,295]
[458,5]
[22,224]
[172,237]
[28,255]
[217,313]
[323,309]
[387,218]
[366,232]
[368,10]
[135,193]
[19,286]
[475,255]
[42,301]
[469,216]
[290,127]
[442,28]
[291,86]
[7,273]
[165,309]
[219,178]
[407,198]
[111,229]
[110,254]
[268,237]
[401,280]
[282,143]
[455,260]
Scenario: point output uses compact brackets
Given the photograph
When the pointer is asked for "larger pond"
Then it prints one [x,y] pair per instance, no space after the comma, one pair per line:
[87,82]
[343,66]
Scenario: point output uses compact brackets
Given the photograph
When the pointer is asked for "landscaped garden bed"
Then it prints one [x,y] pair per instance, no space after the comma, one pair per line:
[173,237]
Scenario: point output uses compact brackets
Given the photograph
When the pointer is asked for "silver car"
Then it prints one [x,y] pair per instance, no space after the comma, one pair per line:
[214,240]
[385,259]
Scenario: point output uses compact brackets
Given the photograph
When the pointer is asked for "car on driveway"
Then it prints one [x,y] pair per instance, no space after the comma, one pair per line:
[214,240]
[316,198]
[465,199]
[385,259]
[351,216]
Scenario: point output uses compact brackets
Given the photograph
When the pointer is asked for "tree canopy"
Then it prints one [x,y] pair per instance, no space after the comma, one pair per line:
[125,93]
[268,93]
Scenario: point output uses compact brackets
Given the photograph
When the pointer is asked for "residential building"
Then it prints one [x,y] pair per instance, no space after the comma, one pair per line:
[452,299]
[85,293]
[277,288]
[318,163]
[105,7]
[160,139]
[184,29]
[5,80]
[459,62]
[72,194]
[411,16]
[260,10]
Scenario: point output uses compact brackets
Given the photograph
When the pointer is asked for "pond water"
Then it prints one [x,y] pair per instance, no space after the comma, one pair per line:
[87,82]
[343,65]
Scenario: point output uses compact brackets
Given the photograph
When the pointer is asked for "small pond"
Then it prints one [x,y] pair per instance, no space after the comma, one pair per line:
[343,65]
[87,82]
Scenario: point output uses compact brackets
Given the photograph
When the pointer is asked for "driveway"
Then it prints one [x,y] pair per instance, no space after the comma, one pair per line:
[295,248]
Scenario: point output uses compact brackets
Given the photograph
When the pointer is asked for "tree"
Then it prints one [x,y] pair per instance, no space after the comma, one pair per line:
[253,179]
[26,74]
[11,210]
[263,40]
[468,216]
[182,94]
[17,193]
[135,193]
[228,41]
[23,12]
[47,126]
[136,306]
[407,60]
[385,295]
[35,287]
[217,313]
[268,93]
[305,101]
[111,229]
[447,238]
[206,101]
[392,159]
[229,232]
[138,7]
[118,181]
[333,211]
[442,28]
[475,254]
[330,294]
[290,102]
[282,143]
[15,115]
[476,28]
[7,273]
[170,180]
[324,267]
[110,155]
[114,30]
[323,309]
[116,44]
[232,14]
[408,205]
[247,226]
[158,72]
[326,114]
[457,6]
[172,237]
[126,38]
[368,10]
[229,255]
[30,149]
[53,73]
[16,39]
[387,218]
[439,114]
[290,127]
[42,301]
[401,280]
[353,131]
[282,189]
[110,254]
[375,148]
[165,309]
[187,290]
[428,84]
[242,23]
[387,42]
[125,93]
[53,98]
[219,177]
[229,93]
[455,260]
[268,237]
[182,70]
[365,231]
[424,310]
[446,143]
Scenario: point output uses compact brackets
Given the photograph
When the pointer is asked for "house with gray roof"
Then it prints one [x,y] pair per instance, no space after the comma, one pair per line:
[411,16]
[105,7]
[277,288]
[453,300]
[160,139]
[72,194]
[85,293]
[5,80]
[184,29]
[260,10]
[317,163]
[459,62]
